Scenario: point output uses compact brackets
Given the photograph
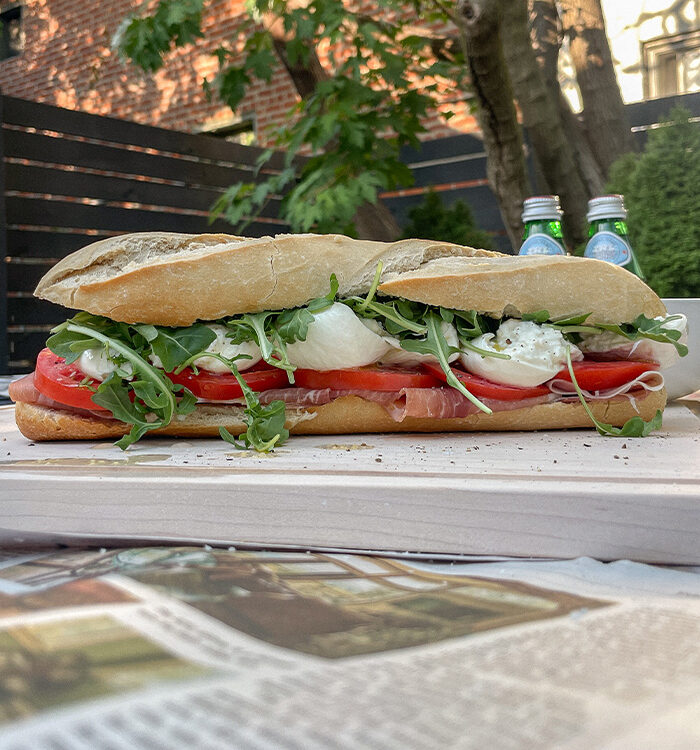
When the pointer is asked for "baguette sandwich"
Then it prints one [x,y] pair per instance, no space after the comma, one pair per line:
[210,335]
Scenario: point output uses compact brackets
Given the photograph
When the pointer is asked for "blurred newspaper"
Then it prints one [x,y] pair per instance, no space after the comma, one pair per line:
[161,647]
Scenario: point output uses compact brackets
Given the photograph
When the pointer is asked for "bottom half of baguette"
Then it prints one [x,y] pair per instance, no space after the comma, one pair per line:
[346,415]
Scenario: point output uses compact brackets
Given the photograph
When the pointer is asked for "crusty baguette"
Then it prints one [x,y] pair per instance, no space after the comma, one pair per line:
[512,286]
[176,279]
[346,415]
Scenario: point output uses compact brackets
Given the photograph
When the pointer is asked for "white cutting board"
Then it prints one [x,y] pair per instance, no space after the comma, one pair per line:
[546,494]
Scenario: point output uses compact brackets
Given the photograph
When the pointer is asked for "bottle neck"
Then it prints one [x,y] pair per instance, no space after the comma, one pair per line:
[550,227]
[615,225]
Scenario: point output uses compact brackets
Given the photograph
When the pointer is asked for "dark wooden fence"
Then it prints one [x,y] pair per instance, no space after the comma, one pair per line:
[70,178]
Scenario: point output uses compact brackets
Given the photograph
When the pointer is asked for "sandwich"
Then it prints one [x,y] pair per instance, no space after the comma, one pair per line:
[251,339]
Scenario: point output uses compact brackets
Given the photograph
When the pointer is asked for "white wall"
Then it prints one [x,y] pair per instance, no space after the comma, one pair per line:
[630,23]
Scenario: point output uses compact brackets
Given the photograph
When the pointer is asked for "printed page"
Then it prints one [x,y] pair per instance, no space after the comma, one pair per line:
[155,647]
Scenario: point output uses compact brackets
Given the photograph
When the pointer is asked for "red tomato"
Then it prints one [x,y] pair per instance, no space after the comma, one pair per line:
[483,388]
[590,375]
[371,378]
[213,386]
[599,376]
[61,382]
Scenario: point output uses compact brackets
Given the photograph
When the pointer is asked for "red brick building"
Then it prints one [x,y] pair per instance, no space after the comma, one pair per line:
[59,52]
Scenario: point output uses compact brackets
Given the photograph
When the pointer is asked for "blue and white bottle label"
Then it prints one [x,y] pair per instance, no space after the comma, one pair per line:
[541,244]
[610,247]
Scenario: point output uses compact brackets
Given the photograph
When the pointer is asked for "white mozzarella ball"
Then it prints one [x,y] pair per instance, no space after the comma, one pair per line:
[96,364]
[337,339]
[226,348]
[537,353]
[398,356]
[607,342]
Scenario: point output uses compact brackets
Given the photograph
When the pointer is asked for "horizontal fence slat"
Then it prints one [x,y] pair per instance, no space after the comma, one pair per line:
[33,311]
[51,150]
[46,244]
[25,113]
[441,148]
[44,179]
[23,277]
[474,169]
[653,111]
[41,212]
[25,345]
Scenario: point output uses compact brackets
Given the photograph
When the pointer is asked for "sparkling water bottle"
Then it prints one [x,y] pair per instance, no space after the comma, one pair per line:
[607,232]
[542,218]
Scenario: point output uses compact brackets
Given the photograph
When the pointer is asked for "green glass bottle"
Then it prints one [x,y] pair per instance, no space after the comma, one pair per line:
[542,218]
[607,233]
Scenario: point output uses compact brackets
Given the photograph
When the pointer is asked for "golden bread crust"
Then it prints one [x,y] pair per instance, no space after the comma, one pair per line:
[176,279]
[513,285]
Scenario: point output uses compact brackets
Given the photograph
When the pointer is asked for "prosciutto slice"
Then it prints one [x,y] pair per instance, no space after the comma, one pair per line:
[24,390]
[424,403]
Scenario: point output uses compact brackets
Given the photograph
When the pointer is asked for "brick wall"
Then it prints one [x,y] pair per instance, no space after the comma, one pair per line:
[67,61]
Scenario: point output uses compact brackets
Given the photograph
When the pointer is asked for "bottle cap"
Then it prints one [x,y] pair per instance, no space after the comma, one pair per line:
[541,207]
[606,207]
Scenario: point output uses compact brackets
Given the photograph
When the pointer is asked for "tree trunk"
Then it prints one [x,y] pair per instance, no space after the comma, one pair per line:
[546,36]
[372,221]
[604,116]
[541,117]
[505,164]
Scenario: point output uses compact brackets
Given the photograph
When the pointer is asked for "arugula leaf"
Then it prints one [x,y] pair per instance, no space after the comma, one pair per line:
[372,290]
[397,316]
[649,328]
[434,343]
[265,423]
[469,324]
[541,316]
[633,427]
[260,328]
[173,346]
[113,395]
[273,330]
[641,328]
[157,398]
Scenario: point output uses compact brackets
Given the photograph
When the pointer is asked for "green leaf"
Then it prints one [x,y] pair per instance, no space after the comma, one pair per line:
[434,343]
[633,427]
[173,346]
[265,424]
[541,316]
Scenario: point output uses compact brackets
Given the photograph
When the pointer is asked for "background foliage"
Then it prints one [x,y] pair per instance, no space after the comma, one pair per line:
[662,194]
[353,123]
[432,220]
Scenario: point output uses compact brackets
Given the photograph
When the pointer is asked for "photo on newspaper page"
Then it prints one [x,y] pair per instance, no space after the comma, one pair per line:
[221,648]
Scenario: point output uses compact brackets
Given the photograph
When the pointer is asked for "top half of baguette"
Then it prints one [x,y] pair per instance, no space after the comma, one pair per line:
[175,279]
[513,285]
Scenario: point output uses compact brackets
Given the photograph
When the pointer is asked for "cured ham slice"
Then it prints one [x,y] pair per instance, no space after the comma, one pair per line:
[424,403]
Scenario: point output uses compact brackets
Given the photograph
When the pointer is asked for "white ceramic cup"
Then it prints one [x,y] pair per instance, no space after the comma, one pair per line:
[684,377]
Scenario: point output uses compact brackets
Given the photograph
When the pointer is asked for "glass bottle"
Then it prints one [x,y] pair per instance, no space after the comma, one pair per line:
[542,218]
[607,232]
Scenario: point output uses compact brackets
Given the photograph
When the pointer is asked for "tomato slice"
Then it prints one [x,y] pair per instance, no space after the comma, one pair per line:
[599,376]
[590,375]
[371,378]
[62,382]
[483,388]
[212,386]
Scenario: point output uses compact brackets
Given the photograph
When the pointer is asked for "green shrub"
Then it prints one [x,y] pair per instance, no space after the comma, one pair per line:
[431,220]
[662,194]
